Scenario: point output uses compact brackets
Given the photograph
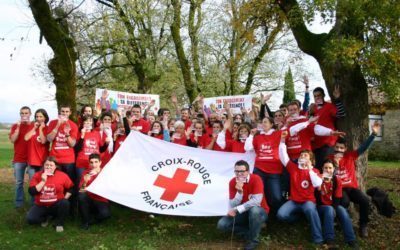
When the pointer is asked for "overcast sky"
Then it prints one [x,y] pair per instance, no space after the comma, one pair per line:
[20,53]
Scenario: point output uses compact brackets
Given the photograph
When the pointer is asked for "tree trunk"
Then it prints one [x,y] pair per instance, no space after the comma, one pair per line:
[62,65]
[195,6]
[180,52]
[352,83]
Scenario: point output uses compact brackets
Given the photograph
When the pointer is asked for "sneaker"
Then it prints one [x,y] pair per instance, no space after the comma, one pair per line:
[363,231]
[250,245]
[353,245]
[45,223]
[59,229]
[331,245]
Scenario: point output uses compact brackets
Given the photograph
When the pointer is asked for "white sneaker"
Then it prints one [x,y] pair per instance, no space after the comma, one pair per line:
[59,229]
[45,223]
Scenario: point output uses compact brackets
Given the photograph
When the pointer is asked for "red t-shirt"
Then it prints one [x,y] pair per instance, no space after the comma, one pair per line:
[54,189]
[20,145]
[254,186]
[59,147]
[181,140]
[234,146]
[301,188]
[188,123]
[37,151]
[301,141]
[92,178]
[118,142]
[327,193]
[266,148]
[347,169]
[201,140]
[91,145]
[142,125]
[327,117]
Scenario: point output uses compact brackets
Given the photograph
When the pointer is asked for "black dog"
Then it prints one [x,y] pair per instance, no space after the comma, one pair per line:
[381,200]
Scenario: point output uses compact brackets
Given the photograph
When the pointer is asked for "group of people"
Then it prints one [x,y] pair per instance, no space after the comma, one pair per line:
[302,164]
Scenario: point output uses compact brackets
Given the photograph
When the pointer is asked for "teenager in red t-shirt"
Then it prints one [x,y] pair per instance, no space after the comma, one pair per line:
[119,137]
[248,209]
[91,204]
[20,160]
[267,164]
[38,146]
[199,137]
[159,131]
[327,114]
[90,141]
[62,133]
[51,188]
[134,121]
[328,199]
[303,181]
[235,145]
[346,162]
[211,139]
[106,133]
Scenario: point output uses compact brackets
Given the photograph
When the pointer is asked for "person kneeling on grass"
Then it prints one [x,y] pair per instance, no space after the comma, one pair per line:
[51,188]
[328,200]
[248,207]
[303,181]
[88,202]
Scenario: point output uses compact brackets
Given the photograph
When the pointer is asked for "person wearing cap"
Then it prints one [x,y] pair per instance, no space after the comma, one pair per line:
[248,209]
[327,114]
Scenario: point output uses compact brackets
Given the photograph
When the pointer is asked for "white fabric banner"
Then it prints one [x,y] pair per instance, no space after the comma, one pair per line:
[156,176]
[236,103]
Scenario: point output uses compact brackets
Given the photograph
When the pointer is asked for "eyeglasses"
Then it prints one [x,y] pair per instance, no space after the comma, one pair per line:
[240,171]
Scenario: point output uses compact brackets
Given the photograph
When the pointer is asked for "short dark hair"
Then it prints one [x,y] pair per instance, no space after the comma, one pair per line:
[283,105]
[136,106]
[84,107]
[26,107]
[294,103]
[65,106]
[52,159]
[219,122]
[44,113]
[331,162]
[319,89]
[94,156]
[341,140]
[243,163]
[104,114]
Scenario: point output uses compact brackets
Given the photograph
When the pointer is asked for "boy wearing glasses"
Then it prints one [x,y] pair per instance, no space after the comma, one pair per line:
[248,209]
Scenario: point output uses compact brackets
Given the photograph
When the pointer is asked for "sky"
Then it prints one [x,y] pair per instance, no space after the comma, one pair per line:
[21,53]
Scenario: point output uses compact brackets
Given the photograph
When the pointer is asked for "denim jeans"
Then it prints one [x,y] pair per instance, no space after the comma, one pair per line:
[19,174]
[247,224]
[272,189]
[290,210]
[327,214]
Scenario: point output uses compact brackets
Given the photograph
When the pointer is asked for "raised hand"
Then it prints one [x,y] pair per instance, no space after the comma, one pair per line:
[174,100]
[305,80]
[336,92]
[265,98]
[338,133]
[376,127]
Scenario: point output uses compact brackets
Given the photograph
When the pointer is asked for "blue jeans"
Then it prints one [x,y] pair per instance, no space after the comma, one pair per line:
[290,210]
[327,214]
[247,224]
[20,168]
[272,188]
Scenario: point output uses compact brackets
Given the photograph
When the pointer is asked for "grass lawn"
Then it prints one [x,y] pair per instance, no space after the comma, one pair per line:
[130,229]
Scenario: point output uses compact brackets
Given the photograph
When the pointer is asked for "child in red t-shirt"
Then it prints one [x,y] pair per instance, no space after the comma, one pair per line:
[89,203]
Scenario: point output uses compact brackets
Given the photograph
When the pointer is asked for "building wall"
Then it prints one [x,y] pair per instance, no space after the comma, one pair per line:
[389,146]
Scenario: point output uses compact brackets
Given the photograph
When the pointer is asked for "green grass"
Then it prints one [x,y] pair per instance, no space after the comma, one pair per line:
[384,164]
[6,150]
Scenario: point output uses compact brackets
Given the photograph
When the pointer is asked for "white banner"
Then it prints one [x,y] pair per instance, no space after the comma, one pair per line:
[160,177]
[236,103]
[123,101]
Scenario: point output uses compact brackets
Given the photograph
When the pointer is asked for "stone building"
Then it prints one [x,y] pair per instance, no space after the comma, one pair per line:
[387,143]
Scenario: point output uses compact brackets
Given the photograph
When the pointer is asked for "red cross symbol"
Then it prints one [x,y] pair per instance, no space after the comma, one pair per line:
[175,185]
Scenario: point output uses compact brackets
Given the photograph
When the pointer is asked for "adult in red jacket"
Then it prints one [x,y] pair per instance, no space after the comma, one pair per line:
[303,181]
[180,136]
[51,189]
[327,114]
[134,121]
[20,159]
[267,164]
[235,145]
[248,209]
[91,204]
[346,162]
